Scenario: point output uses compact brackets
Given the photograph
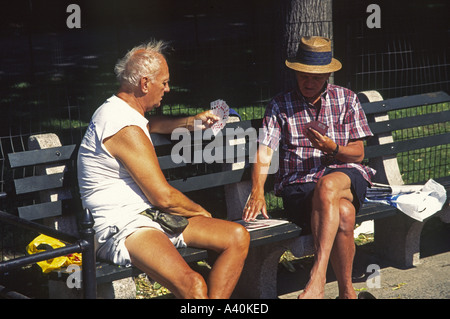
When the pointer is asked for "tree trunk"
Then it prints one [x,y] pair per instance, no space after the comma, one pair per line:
[299,18]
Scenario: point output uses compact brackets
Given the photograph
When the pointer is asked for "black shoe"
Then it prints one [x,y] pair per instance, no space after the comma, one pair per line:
[365,295]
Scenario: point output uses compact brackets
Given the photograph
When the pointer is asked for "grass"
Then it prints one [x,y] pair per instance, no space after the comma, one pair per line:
[432,162]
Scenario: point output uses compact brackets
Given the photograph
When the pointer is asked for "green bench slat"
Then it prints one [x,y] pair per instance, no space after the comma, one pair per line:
[371,211]
[38,183]
[165,139]
[409,122]
[42,210]
[274,234]
[44,156]
[208,181]
[372,151]
[405,102]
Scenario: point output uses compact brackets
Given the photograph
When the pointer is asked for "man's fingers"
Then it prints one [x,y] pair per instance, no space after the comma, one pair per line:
[253,208]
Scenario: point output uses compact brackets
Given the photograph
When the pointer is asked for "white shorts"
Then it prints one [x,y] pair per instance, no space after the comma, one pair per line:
[110,241]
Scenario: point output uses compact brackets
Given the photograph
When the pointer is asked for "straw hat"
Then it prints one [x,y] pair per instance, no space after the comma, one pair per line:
[314,56]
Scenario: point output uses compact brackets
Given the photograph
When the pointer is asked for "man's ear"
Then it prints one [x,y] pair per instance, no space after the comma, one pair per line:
[144,84]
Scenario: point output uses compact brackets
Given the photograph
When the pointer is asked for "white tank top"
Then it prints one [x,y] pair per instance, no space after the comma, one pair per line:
[106,187]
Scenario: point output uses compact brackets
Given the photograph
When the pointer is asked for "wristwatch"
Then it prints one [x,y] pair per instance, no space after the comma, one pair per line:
[336,150]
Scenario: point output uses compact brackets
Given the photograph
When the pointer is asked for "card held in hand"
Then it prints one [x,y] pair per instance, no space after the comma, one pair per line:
[318,126]
[222,110]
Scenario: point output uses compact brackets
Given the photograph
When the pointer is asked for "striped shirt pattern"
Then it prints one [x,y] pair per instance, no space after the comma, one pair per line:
[299,161]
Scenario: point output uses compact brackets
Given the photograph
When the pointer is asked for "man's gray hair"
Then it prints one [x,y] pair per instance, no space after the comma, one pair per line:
[143,60]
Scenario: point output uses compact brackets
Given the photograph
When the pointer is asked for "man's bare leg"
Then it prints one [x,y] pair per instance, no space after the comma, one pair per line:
[343,251]
[231,241]
[325,220]
[152,252]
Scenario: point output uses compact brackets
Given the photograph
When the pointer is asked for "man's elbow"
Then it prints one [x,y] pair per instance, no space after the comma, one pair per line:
[164,198]
[360,158]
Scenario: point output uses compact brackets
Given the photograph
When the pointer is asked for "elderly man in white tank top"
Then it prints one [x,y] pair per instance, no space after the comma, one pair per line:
[119,178]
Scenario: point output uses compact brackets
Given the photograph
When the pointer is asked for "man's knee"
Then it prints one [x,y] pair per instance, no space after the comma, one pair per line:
[346,216]
[327,186]
[237,240]
[332,187]
[240,238]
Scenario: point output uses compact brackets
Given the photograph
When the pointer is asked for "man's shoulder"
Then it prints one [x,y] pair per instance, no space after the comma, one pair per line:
[340,95]
[337,90]
[114,108]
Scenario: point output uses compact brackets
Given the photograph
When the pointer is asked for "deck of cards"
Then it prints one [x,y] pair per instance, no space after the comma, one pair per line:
[222,110]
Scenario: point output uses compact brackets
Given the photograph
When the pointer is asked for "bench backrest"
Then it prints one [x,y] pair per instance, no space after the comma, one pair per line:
[414,131]
[45,185]
[43,181]
[206,161]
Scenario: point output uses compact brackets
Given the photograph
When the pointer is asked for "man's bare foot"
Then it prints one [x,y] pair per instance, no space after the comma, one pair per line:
[313,291]
[306,294]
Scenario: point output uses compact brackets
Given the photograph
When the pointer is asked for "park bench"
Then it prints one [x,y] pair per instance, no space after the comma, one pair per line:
[44,187]
[397,237]
[421,130]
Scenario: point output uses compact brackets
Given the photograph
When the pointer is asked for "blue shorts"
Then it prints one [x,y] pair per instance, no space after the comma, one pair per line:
[297,198]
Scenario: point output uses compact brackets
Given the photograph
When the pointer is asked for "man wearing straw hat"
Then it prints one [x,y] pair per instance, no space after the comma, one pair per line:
[318,129]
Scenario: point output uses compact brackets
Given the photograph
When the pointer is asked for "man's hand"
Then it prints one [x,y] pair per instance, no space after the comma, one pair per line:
[206,118]
[319,141]
[256,204]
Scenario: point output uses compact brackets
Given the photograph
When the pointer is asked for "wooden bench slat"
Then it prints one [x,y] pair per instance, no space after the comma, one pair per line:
[38,183]
[44,156]
[195,183]
[372,151]
[191,254]
[107,272]
[159,140]
[39,211]
[405,102]
[372,211]
[230,154]
[274,234]
[409,122]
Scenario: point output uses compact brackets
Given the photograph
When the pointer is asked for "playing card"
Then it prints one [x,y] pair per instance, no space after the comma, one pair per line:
[318,126]
[222,110]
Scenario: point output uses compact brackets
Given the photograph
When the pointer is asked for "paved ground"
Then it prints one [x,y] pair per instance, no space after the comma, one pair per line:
[428,280]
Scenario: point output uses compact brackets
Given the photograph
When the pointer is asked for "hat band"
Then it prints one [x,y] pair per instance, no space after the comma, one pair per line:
[313,58]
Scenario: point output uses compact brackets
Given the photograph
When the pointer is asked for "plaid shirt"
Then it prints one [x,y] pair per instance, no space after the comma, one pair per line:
[299,161]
